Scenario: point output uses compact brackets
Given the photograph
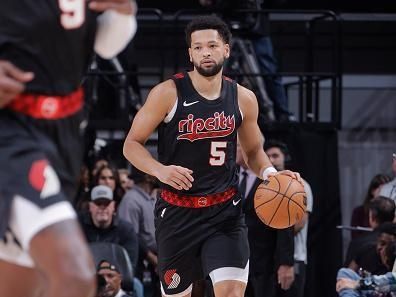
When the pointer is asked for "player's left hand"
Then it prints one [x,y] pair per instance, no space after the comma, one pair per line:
[285,276]
[121,6]
[290,173]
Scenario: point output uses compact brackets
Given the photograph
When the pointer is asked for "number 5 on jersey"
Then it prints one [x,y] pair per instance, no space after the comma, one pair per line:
[72,13]
[217,153]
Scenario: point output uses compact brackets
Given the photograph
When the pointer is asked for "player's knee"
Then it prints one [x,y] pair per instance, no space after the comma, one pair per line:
[236,292]
[229,289]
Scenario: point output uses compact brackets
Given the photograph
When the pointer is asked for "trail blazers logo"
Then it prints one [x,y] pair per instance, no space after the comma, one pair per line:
[43,178]
[172,279]
[217,126]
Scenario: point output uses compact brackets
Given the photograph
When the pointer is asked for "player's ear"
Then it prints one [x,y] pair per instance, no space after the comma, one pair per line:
[190,54]
[227,50]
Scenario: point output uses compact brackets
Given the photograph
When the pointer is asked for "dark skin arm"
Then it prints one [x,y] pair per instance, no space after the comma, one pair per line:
[61,255]
[12,81]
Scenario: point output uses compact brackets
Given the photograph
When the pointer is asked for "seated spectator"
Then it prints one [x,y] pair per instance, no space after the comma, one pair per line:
[360,215]
[108,176]
[351,284]
[101,225]
[98,164]
[368,257]
[125,181]
[82,196]
[389,189]
[137,207]
[381,211]
[112,276]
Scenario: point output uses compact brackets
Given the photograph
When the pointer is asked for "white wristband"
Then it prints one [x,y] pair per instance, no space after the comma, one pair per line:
[267,171]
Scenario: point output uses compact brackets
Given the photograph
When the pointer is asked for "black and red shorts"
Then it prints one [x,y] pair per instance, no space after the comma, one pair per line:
[39,135]
[192,242]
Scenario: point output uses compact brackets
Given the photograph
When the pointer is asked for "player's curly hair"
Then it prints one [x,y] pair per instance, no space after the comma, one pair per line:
[208,22]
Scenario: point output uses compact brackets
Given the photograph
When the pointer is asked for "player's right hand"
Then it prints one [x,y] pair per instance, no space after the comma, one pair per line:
[177,177]
[12,81]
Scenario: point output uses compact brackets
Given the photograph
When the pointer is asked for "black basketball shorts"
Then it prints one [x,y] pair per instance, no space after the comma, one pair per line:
[196,242]
[39,166]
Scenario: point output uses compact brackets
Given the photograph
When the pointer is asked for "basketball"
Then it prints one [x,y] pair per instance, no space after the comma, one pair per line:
[280,201]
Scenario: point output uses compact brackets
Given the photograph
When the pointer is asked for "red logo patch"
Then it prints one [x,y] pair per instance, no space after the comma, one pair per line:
[172,279]
[36,174]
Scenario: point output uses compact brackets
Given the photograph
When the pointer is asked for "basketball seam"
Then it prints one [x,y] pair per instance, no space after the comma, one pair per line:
[277,193]
[284,196]
[287,188]
[290,198]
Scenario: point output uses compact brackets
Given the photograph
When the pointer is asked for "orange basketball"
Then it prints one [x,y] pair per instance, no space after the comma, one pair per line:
[280,201]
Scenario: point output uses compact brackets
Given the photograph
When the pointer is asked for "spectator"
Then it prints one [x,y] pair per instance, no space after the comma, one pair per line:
[82,197]
[351,284]
[360,215]
[108,176]
[365,252]
[100,224]
[125,181]
[99,163]
[137,207]
[389,189]
[271,250]
[278,154]
[111,273]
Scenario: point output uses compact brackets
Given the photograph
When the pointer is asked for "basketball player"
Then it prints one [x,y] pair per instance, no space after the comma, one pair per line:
[45,48]
[200,227]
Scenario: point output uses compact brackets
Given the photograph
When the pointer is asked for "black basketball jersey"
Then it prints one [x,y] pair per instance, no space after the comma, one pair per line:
[52,38]
[202,136]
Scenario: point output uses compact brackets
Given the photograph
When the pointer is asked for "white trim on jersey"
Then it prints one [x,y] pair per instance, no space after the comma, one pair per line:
[181,294]
[26,220]
[230,273]
[171,114]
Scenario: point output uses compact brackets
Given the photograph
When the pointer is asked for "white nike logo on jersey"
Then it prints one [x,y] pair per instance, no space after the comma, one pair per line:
[189,103]
[236,202]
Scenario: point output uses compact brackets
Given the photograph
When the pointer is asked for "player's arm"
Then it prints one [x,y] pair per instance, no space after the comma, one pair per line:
[251,139]
[158,104]
[12,81]
[116,25]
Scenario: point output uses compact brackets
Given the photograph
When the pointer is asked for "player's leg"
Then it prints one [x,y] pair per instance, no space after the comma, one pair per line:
[225,255]
[178,240]
[229,288]
[47,241]
[60,253]
[19,281]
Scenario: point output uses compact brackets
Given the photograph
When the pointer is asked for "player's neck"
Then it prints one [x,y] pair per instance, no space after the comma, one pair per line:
[207,87]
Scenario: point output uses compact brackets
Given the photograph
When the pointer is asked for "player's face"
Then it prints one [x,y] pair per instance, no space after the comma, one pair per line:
[276,157]
[208,52]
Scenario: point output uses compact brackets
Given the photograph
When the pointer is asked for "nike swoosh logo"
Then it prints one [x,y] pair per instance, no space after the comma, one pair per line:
[189,103]
[236,202]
